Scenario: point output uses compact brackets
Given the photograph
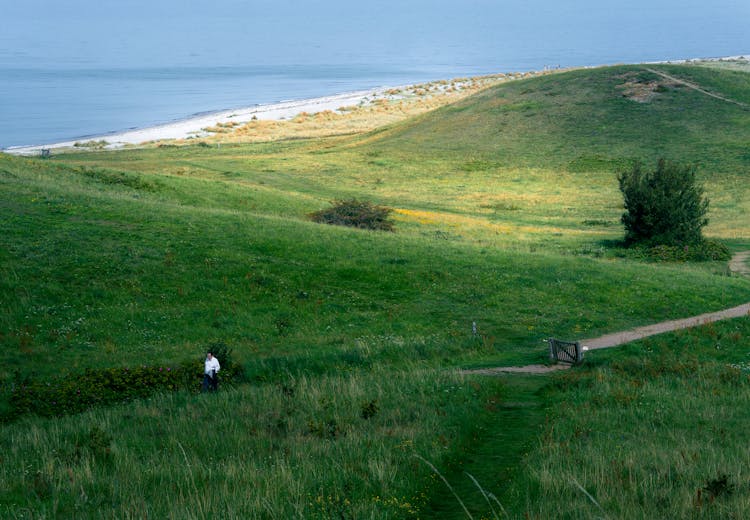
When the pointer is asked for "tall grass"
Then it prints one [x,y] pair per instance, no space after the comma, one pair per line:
[657,431]
[304,448]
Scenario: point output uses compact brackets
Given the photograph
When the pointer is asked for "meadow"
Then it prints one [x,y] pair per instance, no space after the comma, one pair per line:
[656,430]
[507,232]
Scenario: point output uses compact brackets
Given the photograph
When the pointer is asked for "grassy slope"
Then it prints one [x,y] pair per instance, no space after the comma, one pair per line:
[581,127]
[654,430]
[131,275]
[145,256]
[566,121]
[526,164]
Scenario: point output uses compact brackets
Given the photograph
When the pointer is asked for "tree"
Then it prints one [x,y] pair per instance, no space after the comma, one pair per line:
[663,207]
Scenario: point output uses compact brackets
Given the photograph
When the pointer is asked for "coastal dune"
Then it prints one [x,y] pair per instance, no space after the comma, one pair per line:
[194,126]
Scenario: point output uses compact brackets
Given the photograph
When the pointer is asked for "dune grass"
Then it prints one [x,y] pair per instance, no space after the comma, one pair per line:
[394,105]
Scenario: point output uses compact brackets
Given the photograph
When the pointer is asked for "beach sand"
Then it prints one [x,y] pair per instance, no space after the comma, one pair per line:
[193,127]
[207,126]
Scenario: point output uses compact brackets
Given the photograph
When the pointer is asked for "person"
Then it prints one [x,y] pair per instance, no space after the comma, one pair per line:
[211,373]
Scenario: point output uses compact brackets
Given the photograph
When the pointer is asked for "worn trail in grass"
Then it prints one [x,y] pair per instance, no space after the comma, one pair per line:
[737,264]
[493,454]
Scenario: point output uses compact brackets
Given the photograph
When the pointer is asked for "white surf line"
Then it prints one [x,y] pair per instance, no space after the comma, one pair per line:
[193,127]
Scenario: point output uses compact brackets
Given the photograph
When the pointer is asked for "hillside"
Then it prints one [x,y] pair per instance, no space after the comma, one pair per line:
[507,214]
[525,164]
[593,120]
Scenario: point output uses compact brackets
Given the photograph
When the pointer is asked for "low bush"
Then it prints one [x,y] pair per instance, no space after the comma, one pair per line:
[704,251]
[355,213]
[77,392]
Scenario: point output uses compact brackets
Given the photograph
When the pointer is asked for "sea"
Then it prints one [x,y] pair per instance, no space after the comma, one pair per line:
[83,68]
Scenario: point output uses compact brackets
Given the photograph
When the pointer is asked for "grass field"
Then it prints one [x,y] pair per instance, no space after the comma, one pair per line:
[507,217]
[654,431]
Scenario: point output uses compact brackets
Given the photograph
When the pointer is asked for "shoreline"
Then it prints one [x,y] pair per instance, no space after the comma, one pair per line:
[195,126]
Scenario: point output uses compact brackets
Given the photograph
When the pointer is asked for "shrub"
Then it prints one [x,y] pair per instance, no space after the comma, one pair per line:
[355,213]
[663,207]
[369,409]
[91,144]
[705,250]
[81,391]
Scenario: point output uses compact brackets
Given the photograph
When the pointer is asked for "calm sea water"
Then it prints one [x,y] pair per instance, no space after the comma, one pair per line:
[87,67]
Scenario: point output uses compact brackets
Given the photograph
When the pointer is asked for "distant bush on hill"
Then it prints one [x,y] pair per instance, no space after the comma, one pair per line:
[355,213]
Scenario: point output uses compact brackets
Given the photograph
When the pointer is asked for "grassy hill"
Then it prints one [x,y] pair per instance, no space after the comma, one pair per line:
[505,205]
[592,120]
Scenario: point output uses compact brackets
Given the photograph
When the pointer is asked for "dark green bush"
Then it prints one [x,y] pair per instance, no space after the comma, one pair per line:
[369,409]
[705,250]
[665,206]
[355,213]
[77,392]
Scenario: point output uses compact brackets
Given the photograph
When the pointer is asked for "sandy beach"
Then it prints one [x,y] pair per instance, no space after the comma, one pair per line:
[193,127]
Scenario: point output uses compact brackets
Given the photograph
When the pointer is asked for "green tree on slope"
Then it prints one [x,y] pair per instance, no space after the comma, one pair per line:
[665,206]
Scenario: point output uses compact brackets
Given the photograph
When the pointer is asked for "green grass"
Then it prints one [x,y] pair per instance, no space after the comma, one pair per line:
[301,449]
[523,165]
[129,278]
[649,432]
[490,460]
[506,208]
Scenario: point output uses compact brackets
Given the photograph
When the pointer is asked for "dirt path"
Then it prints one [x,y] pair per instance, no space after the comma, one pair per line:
[697,88]
[738,264]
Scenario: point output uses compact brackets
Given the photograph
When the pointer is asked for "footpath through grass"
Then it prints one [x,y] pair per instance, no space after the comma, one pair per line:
[484,467]
[655,429]
[336,446]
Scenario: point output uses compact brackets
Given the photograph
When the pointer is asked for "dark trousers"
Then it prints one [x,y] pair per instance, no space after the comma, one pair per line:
[210,383]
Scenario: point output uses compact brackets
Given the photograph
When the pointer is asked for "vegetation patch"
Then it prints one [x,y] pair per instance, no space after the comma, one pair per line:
[96,145]
[130,180]
[664,207]
[78,392]
[355,213]
[641,87]
[703,251]
[654,428]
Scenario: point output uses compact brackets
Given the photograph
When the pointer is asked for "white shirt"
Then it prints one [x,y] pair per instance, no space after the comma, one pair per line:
[211,364]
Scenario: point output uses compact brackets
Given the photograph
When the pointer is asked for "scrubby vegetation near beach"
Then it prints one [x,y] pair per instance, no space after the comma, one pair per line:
[392,106]
[346,401]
